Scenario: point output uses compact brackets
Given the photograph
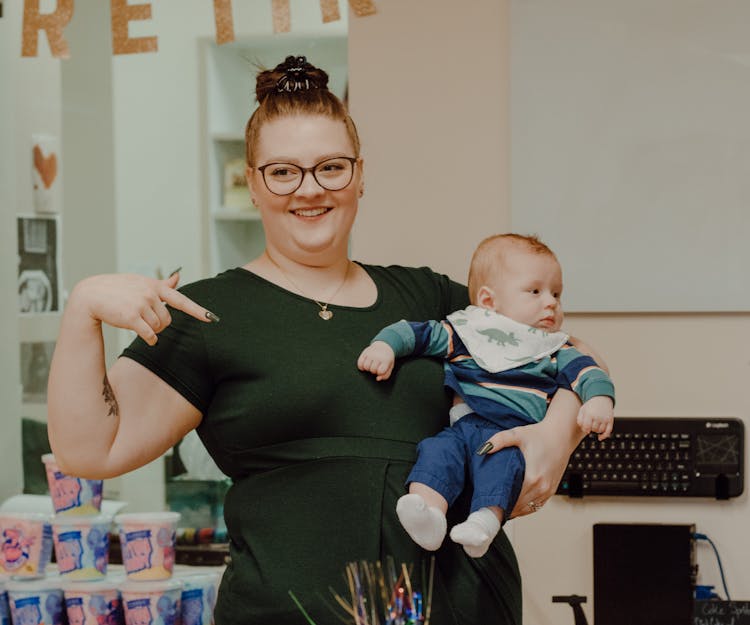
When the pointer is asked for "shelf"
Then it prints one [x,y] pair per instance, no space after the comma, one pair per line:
[226,213]
[228,137]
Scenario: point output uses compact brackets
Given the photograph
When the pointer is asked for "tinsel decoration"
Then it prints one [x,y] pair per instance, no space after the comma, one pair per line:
[380,595]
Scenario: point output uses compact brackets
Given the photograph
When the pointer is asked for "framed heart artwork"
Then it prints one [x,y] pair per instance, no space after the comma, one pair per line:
[45,173]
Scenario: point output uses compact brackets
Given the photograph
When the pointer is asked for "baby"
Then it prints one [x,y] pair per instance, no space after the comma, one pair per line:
[505,358]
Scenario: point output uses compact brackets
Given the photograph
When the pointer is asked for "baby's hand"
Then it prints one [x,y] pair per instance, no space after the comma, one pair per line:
[377,358]
[597,415]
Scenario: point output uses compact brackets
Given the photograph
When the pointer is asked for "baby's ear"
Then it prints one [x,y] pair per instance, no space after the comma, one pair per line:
[485,297]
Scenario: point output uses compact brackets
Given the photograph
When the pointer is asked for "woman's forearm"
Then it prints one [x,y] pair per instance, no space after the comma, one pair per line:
[561,419]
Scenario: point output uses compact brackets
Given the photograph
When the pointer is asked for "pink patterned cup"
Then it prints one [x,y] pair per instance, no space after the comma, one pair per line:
[152,602]
[147,541]
[72,495]
[25,544]
[94,602]
[82,546]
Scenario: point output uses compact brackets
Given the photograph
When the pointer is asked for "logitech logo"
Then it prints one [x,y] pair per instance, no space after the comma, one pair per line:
[721,425]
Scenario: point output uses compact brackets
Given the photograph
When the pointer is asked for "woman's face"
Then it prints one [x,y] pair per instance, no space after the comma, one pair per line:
[312,224]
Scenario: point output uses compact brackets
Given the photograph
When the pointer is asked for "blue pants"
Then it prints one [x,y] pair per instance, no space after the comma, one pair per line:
[444,460]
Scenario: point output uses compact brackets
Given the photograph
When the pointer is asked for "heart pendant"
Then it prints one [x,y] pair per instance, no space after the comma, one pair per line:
[325,315]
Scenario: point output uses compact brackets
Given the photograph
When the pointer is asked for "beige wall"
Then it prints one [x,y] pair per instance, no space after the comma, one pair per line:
[429,82]
[433,114]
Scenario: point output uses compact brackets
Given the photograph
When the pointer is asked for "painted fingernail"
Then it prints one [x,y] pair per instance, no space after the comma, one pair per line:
[178,270]
[485,448]
[211,317]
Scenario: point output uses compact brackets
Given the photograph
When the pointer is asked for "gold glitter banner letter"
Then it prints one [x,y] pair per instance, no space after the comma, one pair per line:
[330,10]
[224,21]
[51,23]
[363,7]
[122,13]
[282,22]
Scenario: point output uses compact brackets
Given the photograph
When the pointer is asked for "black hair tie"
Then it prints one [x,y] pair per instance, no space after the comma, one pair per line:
[296,75]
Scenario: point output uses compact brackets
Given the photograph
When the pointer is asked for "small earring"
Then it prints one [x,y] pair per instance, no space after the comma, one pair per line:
[361,191]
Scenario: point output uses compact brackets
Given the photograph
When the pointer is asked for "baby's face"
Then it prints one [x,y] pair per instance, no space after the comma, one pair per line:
[528,289]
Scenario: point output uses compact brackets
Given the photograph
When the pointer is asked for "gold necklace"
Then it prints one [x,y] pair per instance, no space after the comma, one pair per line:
[323,313]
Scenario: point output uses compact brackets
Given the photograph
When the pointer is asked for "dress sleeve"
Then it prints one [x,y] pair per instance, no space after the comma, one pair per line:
[455,296]
[179,358]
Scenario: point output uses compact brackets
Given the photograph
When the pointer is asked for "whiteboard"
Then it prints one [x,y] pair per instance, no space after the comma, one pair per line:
[630,149]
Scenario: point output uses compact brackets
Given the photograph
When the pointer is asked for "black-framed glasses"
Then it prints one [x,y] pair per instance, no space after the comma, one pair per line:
[333,174]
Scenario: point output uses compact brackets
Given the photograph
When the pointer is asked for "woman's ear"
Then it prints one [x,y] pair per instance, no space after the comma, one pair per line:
[485,297]
[361,190]
[251,184]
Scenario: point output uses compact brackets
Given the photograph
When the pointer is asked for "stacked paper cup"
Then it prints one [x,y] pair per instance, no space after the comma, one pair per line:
[150,593]
[25,552]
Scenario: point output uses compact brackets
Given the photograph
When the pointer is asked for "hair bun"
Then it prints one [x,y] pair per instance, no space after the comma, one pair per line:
[298,75]
[294,75]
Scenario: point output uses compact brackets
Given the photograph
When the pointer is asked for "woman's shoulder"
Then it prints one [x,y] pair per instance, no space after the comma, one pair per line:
[420,283]
[228,284]
[401,272]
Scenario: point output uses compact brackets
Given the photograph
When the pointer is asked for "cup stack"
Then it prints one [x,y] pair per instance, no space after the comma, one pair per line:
[147,541]
[80,535]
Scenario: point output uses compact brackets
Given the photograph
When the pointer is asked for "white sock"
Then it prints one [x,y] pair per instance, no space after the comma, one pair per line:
[425,524]
[476,532]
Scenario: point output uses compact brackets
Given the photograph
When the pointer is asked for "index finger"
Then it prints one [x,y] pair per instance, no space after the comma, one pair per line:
[182,302]
[500,440]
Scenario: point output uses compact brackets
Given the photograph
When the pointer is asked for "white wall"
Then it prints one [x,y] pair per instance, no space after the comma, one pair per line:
[433,117]
[30,105]
[10,378]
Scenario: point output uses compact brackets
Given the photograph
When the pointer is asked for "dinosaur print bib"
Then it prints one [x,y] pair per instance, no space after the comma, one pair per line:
[498,343]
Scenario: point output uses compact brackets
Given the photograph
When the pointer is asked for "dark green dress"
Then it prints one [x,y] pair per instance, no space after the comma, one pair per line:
[317,450]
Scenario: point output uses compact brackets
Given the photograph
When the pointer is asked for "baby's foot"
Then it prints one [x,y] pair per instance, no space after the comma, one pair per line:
[477,532]
[425,524]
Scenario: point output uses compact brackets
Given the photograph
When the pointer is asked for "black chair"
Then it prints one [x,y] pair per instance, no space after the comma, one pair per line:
[574,601]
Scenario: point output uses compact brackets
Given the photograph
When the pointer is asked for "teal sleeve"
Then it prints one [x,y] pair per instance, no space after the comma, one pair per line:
[399,336]
[582,375]
[418,338]
[593,383]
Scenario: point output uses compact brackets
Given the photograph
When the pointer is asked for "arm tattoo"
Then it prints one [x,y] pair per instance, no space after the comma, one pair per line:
[110,399]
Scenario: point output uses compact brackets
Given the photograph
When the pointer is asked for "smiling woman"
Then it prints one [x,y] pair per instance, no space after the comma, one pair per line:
[273,389]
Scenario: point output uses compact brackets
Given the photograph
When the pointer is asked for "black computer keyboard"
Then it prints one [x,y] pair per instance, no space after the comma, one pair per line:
[664,457]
